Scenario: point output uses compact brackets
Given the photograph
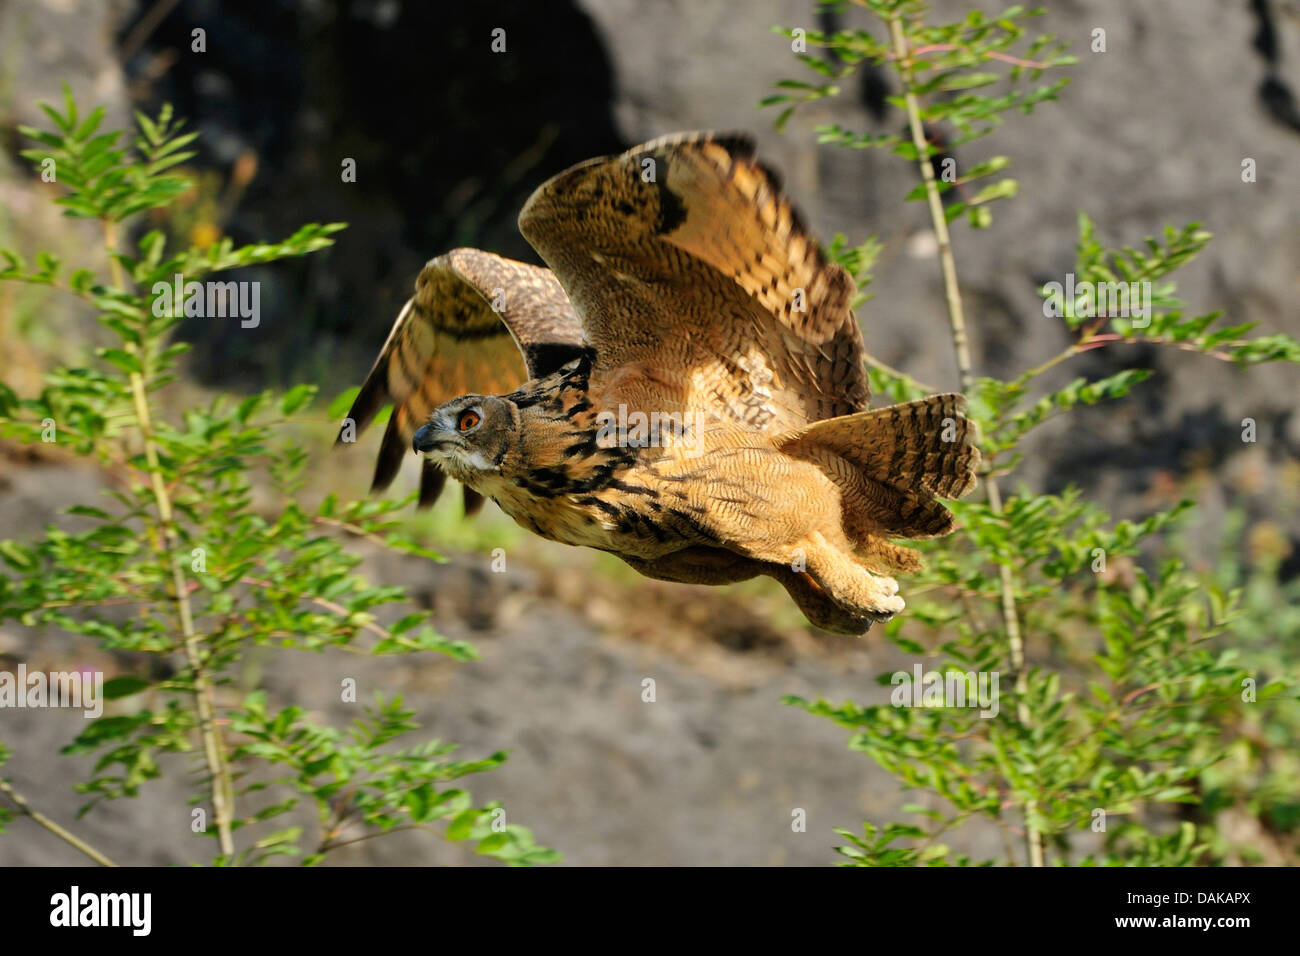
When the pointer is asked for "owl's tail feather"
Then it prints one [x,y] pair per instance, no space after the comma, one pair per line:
[891,465]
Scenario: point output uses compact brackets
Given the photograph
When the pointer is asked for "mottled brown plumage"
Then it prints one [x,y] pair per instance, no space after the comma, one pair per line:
[692,395]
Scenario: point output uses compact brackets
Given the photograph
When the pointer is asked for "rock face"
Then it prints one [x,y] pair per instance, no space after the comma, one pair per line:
[46,44]
[450,139]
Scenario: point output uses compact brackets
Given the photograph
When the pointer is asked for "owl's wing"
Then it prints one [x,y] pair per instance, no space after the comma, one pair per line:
[684,259]
[477,324]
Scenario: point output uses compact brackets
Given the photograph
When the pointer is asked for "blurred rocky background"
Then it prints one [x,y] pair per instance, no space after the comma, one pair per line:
[449,138]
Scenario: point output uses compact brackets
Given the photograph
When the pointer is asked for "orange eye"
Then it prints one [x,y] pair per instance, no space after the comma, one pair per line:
[468,420]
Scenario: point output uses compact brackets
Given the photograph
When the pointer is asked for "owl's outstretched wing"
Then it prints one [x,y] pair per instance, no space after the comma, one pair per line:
[683,257]
[478,324]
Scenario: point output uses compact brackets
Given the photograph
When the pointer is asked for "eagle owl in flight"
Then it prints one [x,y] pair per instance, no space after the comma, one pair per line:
[684,387]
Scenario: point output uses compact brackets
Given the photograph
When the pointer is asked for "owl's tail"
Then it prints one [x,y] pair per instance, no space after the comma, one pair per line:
[891,465]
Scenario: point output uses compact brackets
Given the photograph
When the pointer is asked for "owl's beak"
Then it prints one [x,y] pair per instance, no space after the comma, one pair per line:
[424,439]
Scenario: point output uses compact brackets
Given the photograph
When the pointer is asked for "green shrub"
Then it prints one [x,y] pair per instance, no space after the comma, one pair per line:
[179,563]
[1136,677]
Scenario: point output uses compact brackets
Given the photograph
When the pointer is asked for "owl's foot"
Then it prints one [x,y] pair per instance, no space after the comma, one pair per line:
[817,606]
[851,586]
[834,592]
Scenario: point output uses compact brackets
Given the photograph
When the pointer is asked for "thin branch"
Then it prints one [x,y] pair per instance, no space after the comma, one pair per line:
[953,47]
[327,604]
[223,799]
[895,373]
[1055,360]
[41,819]
[351,528]
[343,612]
[965,368]
[328,844]
[1108,338]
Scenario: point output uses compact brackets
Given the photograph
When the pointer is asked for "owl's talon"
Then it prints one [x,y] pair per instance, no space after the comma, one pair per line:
[889,585]
[886,607]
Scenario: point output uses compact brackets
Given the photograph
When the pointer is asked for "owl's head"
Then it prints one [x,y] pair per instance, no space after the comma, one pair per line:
[469,436]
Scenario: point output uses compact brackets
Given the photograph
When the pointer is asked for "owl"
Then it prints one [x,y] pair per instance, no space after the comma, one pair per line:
[683,387]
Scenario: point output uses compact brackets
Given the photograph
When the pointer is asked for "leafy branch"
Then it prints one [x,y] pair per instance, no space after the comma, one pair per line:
[204,575]
[1048,565]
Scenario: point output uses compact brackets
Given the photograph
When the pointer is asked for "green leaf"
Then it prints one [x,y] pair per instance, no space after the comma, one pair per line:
[492,843]
[120,687]
[342,402]
[296,398]
[279,838]
[19,557]
[459,828]
[123,360]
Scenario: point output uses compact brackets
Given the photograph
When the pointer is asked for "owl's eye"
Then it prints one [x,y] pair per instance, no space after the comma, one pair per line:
[468,420]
